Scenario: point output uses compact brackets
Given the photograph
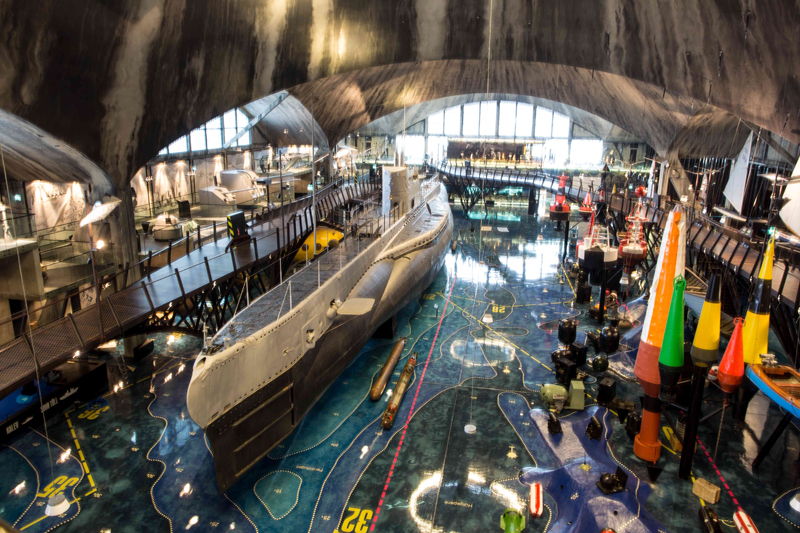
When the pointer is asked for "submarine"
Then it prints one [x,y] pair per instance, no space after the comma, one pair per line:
[274,360]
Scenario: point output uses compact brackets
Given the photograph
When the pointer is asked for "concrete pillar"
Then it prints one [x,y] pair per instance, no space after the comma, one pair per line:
[130,343]
[7,329]
[123,235]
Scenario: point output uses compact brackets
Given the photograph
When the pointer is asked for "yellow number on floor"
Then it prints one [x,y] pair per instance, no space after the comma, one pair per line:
[347,525]
[362,525]
[58,485]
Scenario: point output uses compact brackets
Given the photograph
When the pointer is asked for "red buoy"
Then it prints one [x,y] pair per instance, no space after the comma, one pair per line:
[731,368]
[536,500]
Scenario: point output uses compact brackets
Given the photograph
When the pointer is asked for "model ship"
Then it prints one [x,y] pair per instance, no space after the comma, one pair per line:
[270,364]
[595,252]
[780,383]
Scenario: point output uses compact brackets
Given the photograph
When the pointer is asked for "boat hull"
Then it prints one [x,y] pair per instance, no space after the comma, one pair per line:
[760,376]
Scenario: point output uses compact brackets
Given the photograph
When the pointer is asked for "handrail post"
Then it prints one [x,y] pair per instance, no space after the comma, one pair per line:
[147,295]
[208,269]
[169,253]
[188,238]
[255,248]
[180,283]
[215,230]
[114,313]
[149,263]
[78,333]
[233,260]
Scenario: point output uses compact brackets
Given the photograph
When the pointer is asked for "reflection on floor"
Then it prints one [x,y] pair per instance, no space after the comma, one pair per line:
[134,461]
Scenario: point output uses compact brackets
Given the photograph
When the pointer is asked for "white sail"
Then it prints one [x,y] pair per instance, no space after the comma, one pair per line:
[734,190]
[790,214]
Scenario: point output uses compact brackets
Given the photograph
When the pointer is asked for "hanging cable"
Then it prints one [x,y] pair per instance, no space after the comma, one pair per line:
[483,200]
[28,319]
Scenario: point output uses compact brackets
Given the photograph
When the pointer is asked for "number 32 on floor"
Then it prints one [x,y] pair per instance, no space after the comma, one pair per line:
[357,521]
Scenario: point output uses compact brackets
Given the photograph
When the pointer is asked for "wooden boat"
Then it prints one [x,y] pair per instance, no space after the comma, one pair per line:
[780,383]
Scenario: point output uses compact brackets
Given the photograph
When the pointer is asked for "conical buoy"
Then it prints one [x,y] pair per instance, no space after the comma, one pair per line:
[671,263]
[670,361]
[731,368]
[705,347]
[756,329]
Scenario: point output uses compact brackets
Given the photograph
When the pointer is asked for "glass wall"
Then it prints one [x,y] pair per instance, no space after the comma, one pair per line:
[436,123]
[437,147]
[586,152]
[488,119]
[452,121]
[472,114]
[413,147]
[545,133]
[524,124]
[212,135]
[506,126]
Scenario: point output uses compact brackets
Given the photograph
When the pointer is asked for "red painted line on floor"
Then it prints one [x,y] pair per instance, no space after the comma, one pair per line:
[411,412]
[722,479]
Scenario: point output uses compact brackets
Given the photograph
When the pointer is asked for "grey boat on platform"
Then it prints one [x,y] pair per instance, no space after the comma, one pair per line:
[288,346]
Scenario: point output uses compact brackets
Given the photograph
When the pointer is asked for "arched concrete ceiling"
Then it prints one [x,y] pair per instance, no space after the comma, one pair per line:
[347,102]
[392,124]
[30,154]
[120,80]
[287,124]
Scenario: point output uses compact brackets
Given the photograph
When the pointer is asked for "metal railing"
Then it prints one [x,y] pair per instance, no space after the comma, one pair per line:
[287,234]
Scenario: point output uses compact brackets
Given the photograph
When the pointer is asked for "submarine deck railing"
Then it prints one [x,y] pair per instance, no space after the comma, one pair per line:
[370,226]
[185,277]
[724,245]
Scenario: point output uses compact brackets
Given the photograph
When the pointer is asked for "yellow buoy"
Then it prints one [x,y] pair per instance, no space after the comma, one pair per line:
[326,237]
[756,322]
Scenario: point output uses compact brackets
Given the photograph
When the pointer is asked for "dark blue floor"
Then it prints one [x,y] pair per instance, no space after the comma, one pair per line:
[137,462]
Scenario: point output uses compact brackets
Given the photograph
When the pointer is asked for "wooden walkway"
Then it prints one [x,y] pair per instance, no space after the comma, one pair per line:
[184,277]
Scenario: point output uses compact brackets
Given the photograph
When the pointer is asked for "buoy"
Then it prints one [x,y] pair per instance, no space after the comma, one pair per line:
[731,368]
[670,361]
[671,263]
[536,500]
[756,328]
[705,347]
[744,524]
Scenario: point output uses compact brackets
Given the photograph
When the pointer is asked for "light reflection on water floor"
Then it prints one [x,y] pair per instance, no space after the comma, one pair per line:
[484,332]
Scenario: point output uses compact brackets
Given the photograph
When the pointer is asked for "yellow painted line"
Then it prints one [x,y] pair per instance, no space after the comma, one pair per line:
[90,492]
[487,326]
[80,453]
[565,275]
[34,522]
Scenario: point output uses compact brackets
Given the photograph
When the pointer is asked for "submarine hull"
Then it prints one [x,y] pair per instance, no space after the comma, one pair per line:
[246,432]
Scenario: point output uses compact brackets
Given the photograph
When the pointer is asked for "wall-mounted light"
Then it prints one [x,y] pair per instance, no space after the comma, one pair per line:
[100,244]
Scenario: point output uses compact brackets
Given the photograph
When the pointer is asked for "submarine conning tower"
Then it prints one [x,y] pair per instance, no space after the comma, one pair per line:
[404,186]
